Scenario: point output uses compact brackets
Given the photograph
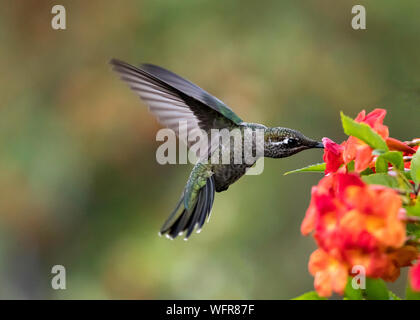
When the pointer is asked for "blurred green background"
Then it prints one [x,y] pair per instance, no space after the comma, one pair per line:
[79,183]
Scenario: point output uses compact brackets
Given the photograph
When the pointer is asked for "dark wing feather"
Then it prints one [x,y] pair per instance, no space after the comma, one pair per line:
[191,90]
[189,220]
[173,99]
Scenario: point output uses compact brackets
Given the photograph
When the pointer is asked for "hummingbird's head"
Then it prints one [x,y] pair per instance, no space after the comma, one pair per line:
[283,142]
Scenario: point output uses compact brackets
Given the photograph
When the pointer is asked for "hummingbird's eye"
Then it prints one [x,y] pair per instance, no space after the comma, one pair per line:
[291,142]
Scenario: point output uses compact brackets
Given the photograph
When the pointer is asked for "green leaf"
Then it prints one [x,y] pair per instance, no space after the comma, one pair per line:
[311,295]
[413,210]
[410,294]
[363,132]
[319,167]
[394,157]
[350,293]
[350,166]
[376,289]
[413,231]
[382,179]
[407,174]
[393,296]
[367,172]
[381,165]
[415,167]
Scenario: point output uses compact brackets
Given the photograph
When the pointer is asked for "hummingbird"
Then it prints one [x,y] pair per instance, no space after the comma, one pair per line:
[172,99]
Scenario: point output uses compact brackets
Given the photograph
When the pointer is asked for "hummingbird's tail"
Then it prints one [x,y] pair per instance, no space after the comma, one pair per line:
[187,220]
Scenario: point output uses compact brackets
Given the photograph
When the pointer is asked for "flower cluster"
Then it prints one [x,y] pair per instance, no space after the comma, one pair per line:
[358,216]
[354,149]
[355,223]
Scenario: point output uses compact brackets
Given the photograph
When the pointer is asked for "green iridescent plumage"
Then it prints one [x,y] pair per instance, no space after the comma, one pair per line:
[173,99]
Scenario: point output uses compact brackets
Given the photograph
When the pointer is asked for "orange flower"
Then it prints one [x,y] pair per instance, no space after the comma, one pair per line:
[378,209]
[330,274]
[374,119]
[335,155]
[355,224]
[385,264]
[326,200]
[359,151]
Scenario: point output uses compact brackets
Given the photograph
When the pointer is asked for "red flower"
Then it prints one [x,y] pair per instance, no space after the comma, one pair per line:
[359,151]
[374,119]
[355,224]
[336,155]
[330,274]
[333,155]
[415,276]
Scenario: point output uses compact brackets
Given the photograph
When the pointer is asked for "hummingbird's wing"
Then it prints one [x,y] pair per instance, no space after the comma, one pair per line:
[173,99]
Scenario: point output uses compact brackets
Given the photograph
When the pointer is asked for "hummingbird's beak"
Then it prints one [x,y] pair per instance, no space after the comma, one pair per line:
[319,145]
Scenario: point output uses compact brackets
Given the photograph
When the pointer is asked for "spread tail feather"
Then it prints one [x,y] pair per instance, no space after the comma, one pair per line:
[187,220]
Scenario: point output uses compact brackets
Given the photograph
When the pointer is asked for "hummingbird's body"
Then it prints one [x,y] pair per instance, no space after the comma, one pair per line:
[173,99]
[226,174]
